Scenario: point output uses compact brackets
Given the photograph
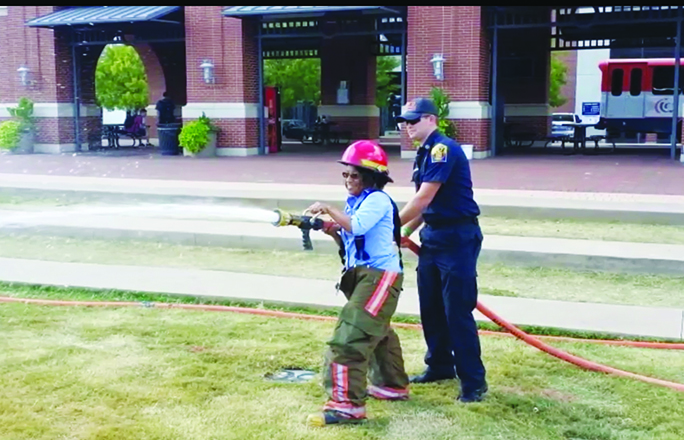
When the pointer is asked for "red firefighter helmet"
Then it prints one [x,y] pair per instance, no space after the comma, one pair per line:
[366,154]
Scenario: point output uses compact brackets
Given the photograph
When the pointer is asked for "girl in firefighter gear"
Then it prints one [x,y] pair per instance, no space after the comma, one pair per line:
[363,343]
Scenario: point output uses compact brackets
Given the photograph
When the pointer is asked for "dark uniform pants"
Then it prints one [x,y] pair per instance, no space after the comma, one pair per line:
[363,340]
[447,290]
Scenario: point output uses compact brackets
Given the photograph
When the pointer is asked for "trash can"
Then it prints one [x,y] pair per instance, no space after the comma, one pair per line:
[168,139]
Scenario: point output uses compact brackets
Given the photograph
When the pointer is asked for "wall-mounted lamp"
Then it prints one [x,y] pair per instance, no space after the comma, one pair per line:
[208,70]
[24,75]
[438,66]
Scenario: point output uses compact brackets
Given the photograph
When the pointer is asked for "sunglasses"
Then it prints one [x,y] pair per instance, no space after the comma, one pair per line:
[347,175]
[414,121]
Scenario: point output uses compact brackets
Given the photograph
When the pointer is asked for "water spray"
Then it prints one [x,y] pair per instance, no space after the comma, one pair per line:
[201,211]
[277,217]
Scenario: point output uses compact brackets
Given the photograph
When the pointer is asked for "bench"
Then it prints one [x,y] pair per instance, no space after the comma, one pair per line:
[562,139]
[598,138]
[520,139]
[340,137]
[113,133]
[316,136]
[135,137]
[518,135]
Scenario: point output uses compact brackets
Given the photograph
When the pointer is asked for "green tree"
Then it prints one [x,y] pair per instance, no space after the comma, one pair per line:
[384,85]
[558,79]
[120,79]
[300,79]
[297,79]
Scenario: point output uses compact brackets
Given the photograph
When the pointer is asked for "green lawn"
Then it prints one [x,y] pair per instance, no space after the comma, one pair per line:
[74,373]
[582,229]
[494,279]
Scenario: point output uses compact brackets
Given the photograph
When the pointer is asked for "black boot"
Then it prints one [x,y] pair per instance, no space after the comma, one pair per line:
[430,376]
[474,396]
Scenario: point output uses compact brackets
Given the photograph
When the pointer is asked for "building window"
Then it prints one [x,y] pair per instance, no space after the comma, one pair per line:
[3,11]
[616,82]
[635,82]
[663,80]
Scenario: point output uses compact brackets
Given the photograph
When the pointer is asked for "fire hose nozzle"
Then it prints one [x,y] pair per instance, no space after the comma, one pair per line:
[301,221]
[304,222]
[284,218]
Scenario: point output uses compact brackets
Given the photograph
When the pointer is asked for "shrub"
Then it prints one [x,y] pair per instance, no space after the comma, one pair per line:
[23,113]
[207,121]
[442,100]
[10,134]
[194,136]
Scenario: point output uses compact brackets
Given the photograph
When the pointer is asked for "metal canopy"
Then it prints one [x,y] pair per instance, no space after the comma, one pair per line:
[279,12]
[92,15]
[302,37]
[590,27]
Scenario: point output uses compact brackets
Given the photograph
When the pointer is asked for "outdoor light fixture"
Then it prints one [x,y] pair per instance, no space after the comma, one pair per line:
[208,69]
[24,75]
[438,66]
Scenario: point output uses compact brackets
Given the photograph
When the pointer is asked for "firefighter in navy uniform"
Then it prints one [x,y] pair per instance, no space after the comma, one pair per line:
[451,240]
[368,231]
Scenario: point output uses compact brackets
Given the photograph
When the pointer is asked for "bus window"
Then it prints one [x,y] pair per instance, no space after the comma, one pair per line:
[616,82]
[635,82]
[663,80]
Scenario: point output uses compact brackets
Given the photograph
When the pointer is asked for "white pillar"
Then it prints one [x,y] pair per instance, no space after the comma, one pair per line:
[588,83]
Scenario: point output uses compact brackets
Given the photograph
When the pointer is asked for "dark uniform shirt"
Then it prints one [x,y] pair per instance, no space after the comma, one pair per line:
[165,108]
[442,160]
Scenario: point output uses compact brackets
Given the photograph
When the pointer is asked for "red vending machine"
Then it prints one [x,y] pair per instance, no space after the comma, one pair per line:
[273,134]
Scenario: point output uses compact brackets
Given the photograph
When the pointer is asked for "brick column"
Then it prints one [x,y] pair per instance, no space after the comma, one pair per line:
[350,59]
[458,33]
[48,56]
[232,102]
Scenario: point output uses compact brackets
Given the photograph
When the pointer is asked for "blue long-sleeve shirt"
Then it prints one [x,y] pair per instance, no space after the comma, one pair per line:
[374,219]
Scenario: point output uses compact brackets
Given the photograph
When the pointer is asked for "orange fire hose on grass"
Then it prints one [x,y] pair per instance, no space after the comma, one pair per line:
[516,332]
[560,354]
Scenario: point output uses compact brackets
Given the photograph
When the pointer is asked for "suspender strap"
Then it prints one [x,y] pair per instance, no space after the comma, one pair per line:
[360,241]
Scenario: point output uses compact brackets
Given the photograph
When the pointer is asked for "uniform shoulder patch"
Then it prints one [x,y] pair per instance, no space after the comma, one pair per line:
[438,153]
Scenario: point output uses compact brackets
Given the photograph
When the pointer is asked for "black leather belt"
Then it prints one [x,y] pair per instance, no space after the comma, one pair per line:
[447,222]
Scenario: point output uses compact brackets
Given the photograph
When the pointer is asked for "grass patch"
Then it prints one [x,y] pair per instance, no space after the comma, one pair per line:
[494,279]
[20,290]
[173,374]
[584,230]
[12,201]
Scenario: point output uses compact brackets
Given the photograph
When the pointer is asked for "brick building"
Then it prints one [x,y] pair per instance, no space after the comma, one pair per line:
[60,46]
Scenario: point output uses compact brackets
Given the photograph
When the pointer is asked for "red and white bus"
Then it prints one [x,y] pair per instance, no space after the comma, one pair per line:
[636,94]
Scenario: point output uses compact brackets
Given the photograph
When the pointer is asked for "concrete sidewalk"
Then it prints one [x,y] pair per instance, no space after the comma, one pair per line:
[173,228]
[667,209]
[618,319]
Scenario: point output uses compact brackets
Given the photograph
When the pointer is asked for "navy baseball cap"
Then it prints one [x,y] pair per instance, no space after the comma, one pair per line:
[417,108]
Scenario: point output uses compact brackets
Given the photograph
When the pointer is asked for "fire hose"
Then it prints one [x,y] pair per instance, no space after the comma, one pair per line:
[306,223]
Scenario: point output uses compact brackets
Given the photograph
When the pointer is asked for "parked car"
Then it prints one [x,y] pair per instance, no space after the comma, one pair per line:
[559,124]
[293,128]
